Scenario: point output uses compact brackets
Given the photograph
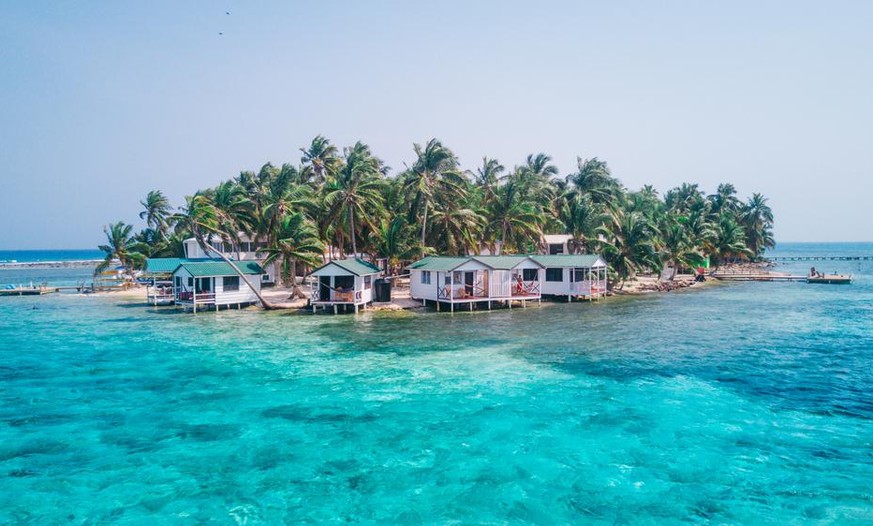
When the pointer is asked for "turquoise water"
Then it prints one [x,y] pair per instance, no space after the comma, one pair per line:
[25,276]
[31,256]
[738,404]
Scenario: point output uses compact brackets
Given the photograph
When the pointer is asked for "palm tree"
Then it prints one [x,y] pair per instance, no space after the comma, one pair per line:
[234,212]
[119,245]
[582,218]
[677,247]
[511,215]
[393,240]
[282,197]
[700,228]
[157,212]
[594,178]
[455,230]
[628,243]
[682,198]
[487,178]
[757,221]
[435,171]
[729,241]
[356,191]
[724,199]
[537,171]
[321,160]
[295,240]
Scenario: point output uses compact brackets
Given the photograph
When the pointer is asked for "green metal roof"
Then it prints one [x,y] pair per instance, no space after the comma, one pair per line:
[358,267]
[567,260]
[506,262]
[447,263]
[220,268]
[439,263]
[168,265]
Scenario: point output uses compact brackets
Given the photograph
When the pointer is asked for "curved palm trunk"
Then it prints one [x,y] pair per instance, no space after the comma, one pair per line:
[295,290]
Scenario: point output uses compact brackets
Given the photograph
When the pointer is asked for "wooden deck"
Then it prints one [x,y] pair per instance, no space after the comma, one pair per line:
[758,277]
[27,291]
[832,279]
[776,259]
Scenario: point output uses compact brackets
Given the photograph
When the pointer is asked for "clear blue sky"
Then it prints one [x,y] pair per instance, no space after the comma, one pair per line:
[101,102]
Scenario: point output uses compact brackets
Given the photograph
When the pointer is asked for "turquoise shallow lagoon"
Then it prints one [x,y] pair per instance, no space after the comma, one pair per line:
[738,404]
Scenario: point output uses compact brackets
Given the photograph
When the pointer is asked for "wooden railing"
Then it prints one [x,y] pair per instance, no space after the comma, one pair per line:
[339,297]
[531,288]
[498,291]
[587,288]
[196,297]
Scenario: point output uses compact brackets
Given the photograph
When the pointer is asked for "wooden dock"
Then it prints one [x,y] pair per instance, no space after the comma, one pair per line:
[27,291]
[777,259]
[757,277]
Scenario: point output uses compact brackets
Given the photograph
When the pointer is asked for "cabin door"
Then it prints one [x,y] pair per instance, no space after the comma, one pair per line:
[469,281]
[324,288]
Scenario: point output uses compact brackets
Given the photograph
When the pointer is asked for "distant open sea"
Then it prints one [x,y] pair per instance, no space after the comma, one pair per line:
[743,403]
[33,256]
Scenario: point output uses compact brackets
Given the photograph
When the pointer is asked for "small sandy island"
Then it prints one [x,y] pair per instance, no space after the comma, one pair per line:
[280,297]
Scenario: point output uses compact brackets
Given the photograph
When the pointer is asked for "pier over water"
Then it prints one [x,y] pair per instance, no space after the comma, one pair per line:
[777,259]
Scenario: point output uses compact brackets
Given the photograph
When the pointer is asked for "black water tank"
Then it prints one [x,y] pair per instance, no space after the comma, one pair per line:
[383,290]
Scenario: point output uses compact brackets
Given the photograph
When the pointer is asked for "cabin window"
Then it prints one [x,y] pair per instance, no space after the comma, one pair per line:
[447,279]
[580,274]
[425,277]
[529,274]
[556,249]
[178,282]
[231,283]
[554,274]
[190,281]
[458,278]
[368,283]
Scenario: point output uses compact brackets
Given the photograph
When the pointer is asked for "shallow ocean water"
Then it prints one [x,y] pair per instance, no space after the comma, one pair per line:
[737,404]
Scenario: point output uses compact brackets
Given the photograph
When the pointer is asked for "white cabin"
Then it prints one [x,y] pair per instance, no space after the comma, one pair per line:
[343,282]
[214,283]
[159,273]
[574,275]
[248,249]
[469,280]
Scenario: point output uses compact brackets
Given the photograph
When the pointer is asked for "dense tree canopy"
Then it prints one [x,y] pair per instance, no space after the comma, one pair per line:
[340,203]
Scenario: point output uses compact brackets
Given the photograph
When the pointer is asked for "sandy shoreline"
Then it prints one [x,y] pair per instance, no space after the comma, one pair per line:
[279,297]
